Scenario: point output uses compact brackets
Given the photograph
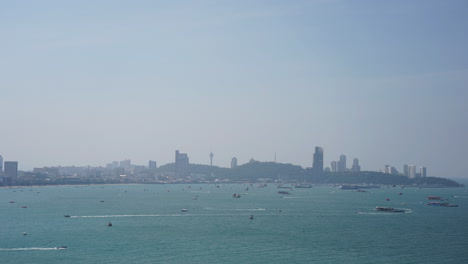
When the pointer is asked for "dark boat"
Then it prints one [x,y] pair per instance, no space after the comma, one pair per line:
[303,185]
[62,247]
[109,224]
[67,215]
[236,195]
[251,217]
[388,209]
[445,204]
[283,192]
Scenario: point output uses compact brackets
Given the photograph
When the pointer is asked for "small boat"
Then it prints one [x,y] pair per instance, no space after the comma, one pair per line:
[12,201]
[283,192]
[24,206]
[445,204]
[67,215]
[388,209]
[434,198]
[251,217]
[303,185]
[236,195]
[109,224]
[184,210]
[62,247]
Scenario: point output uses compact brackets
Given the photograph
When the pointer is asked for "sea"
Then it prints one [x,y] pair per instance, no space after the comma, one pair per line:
[203,223]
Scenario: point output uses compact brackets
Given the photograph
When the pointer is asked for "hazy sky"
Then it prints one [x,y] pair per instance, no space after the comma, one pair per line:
[89,82]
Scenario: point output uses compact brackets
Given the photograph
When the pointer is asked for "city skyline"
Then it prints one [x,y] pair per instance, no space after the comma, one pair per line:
[91,81]
[181,163]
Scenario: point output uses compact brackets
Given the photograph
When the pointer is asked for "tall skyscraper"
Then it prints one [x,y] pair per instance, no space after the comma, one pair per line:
[152,165]
[334,167]
[181,164]
[233,163]
[342,164]
[405,170]
[211,158]
[356,167]
[317,165]
[411,171]
[11,169]
[1,163]
[423,171]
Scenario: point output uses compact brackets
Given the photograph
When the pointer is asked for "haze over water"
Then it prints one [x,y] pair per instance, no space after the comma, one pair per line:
[90,82]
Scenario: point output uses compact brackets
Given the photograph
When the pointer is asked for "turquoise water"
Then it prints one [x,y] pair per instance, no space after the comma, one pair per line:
[322,224]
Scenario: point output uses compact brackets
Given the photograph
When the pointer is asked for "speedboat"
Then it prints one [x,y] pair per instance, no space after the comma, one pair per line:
[184,210]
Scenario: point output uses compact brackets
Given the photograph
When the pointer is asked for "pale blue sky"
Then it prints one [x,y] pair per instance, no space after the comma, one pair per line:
[88,82]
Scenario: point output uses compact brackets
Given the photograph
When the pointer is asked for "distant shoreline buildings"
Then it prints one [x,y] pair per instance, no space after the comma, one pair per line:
[125,170]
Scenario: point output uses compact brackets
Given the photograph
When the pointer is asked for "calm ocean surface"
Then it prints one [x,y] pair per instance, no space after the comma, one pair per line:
[322,224]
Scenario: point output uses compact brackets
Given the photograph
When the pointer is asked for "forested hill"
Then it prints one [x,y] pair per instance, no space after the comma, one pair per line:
[272,171]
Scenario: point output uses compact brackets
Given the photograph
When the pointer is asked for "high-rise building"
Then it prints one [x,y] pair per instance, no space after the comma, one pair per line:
[317,165]
[423,171]
[393,171]
[411,171]
[1,164]
[126,164]
[233,163]
[181,164]
[11,169]
[388,169]
[342,164]
[211,158]
[333,166]
[405,170]
[356,167]
[152,165]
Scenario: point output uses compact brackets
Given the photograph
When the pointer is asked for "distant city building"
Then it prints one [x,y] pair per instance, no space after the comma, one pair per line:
[152,165]
[126,164]
[356,167]
[334,167]
[1,164]
[423,171]
[11,169]
[233,163]
[181,164]
[211,158]
[411,171]
[405,170]
[327,169]
[317,165]
[388,169]
[393,170]
[342,164]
